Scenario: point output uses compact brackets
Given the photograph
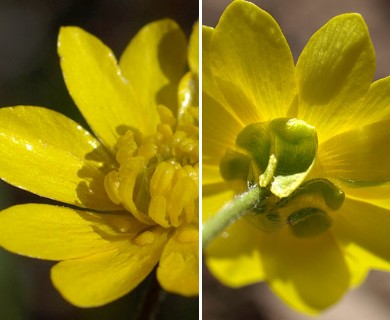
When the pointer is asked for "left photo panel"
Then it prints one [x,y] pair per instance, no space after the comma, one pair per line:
[99,160]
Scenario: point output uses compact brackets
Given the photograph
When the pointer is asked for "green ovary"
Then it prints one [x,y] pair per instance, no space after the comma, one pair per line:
[278,156]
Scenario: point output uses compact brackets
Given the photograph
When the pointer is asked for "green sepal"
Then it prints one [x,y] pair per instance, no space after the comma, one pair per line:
[309,222]
[295,145]
[256,140]
[234,165]
[283,149]
[328,191]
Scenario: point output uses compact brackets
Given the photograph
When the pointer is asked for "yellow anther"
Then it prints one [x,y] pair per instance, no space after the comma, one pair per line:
[111,184]
[161,181]
[147,150]
[165,130]
[187,145]
[157,178]
[126,147]
[178,137]
[157,211]
[145,238]
[188,234]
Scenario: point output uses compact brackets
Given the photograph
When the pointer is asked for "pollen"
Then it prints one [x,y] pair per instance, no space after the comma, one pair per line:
[157,176]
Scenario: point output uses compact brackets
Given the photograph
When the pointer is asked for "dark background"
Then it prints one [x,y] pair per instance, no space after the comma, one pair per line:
[30,75]
[299,19]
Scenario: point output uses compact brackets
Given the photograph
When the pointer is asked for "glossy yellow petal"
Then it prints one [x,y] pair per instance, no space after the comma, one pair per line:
[308,274]
[364,231]
[178,271]
[46,153]
[106,99]
[358,155]
[234,257]
[252,63]
[106,276]
[334,71]
[57,233]
[193,51]
[154,63]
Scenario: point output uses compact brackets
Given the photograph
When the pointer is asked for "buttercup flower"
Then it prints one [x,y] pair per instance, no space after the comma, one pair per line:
[132,189]
[314,137]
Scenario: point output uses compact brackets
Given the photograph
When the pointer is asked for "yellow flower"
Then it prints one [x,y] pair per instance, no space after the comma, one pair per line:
[321,238]
[132,190]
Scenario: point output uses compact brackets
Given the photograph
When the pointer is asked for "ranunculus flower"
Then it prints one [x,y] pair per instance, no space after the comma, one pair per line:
[131,188]
[315,136]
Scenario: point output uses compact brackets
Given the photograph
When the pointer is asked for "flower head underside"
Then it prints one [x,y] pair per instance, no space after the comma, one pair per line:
[314,136]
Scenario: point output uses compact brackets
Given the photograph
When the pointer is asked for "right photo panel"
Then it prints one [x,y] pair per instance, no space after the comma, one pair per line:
[295,159]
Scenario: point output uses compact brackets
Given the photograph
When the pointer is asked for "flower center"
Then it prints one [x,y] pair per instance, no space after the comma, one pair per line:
[278,156]
[157,176]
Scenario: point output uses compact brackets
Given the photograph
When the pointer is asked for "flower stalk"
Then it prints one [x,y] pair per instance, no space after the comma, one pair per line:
[229,213]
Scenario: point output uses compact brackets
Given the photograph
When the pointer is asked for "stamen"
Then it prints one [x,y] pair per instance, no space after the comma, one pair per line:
[145,238]
[157,178]
[188,234]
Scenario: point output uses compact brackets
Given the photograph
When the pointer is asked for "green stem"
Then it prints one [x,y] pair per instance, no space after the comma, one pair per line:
[229,213]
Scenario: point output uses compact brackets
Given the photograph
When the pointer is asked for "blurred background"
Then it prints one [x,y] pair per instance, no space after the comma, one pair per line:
[299,19]
[30,75]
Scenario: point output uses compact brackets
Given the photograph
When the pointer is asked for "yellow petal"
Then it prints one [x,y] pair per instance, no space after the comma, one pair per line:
[214,196]
[178,271]
[193,51]
[188,96]
[358,155]
[252,63]
[358,269]
[106,276]
[377,194]
[373,108]
[106,99]
[48,154]
[209,87]
[364,231]
[154,63]
[214,103]
[308,274]
[57,233]
[211,175]
[218,135]
[334,71]
[234,257]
